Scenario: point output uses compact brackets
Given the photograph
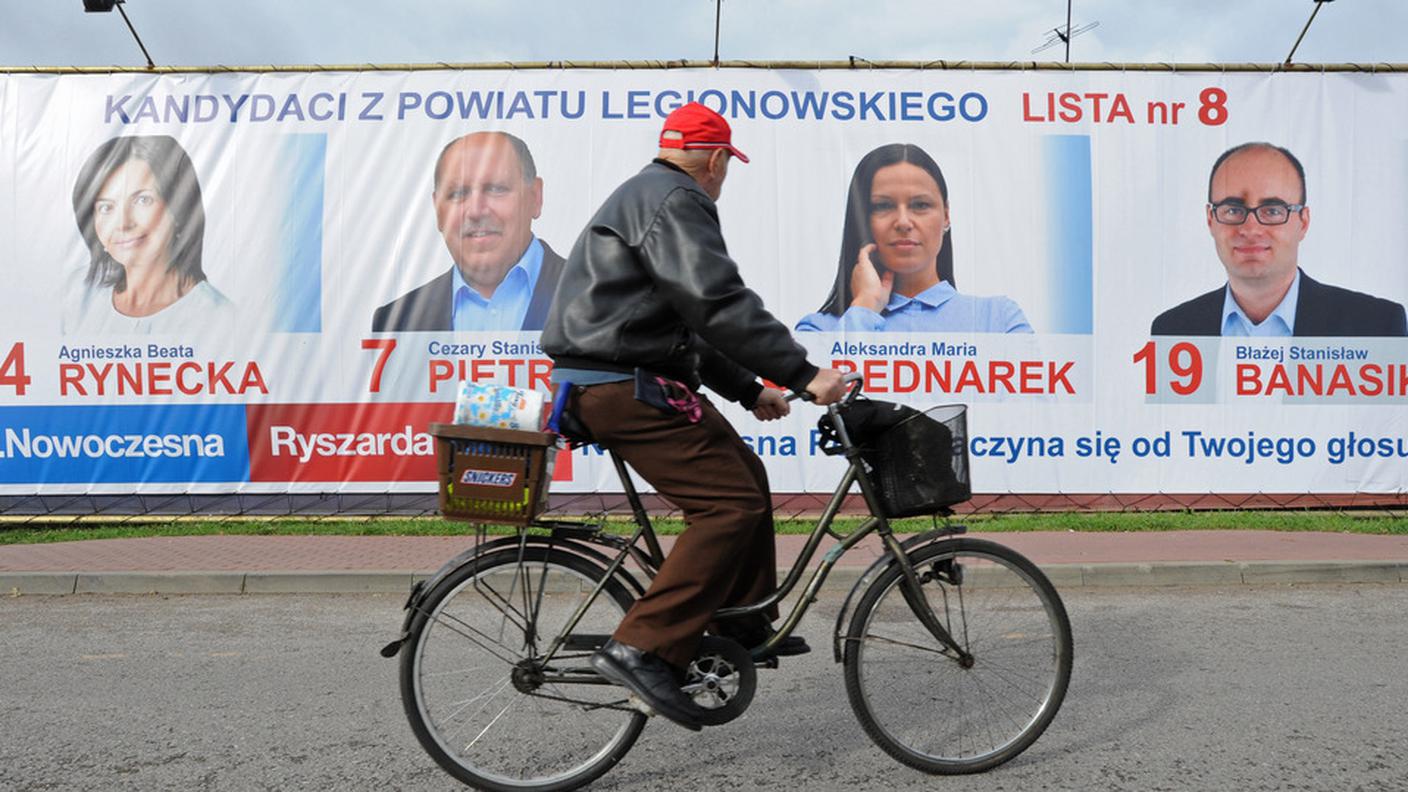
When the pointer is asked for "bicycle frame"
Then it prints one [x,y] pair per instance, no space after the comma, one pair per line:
[857,472]
[490,624]
[651,556]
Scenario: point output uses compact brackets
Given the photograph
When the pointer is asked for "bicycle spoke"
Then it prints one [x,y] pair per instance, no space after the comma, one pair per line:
[1008,678]
[486,729]
[453,716]
[939,650]
[995,706]
[455,672]
[445,621]
[1014,643]
[484,705]
[1005,615]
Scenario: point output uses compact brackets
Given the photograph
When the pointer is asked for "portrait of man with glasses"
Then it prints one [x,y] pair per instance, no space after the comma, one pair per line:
[1258,214]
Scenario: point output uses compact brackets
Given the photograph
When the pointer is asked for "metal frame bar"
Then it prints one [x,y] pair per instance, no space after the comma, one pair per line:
[820,65]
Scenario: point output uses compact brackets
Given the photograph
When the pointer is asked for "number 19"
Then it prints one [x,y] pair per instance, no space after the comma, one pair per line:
[1184,360]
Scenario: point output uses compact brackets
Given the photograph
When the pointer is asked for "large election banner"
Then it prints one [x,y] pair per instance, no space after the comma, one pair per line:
[272,282]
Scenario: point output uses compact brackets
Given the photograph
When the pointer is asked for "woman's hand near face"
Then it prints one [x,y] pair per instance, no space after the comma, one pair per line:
[870,289]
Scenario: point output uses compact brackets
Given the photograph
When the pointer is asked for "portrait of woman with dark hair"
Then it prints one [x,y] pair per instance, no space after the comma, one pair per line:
[896,267]
[137,203]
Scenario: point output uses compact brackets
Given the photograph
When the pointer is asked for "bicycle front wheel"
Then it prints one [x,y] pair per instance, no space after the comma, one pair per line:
[913,696]
[479,694]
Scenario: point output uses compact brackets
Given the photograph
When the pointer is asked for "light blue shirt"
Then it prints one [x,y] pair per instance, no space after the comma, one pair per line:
[508,306]
[938,309]
[561,374]
[1280,324]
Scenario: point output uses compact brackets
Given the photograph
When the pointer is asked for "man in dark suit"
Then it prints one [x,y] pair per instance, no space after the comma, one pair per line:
[487,193]
[1257,215]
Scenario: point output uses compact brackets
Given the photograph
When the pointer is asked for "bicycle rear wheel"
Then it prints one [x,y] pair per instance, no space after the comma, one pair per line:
[476,690]
[911,694]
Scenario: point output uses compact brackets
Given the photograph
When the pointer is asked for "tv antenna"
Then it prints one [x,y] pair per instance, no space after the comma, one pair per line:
[1059,35]
[1064,35]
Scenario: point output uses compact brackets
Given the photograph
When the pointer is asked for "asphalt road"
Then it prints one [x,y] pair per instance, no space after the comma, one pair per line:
[1246,688]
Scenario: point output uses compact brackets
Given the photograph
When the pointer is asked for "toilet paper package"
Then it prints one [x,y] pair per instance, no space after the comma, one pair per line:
[499,407]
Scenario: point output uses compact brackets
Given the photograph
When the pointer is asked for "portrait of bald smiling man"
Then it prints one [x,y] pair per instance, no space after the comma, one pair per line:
[486,195]
[1258,215]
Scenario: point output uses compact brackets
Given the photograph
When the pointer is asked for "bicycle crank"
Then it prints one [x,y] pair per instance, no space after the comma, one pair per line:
[720,680]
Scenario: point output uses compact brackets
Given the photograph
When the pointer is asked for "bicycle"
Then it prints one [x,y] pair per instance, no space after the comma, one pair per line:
[956,651]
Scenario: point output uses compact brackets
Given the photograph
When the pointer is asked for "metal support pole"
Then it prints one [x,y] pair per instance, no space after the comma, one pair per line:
[1318,3]
[718,11]
[150,64]
[1068,31]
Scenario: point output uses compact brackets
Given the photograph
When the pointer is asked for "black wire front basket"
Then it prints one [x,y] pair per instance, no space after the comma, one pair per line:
[918,460]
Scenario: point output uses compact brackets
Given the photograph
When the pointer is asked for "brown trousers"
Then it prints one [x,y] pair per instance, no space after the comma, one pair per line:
[725,557]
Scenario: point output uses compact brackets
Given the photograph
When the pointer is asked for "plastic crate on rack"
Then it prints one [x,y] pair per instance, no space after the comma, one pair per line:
[496,476]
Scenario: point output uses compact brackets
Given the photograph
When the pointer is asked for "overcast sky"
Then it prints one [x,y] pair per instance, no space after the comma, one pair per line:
[284,32]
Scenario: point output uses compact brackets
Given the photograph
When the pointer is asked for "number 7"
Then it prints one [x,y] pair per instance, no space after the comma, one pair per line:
[385,345]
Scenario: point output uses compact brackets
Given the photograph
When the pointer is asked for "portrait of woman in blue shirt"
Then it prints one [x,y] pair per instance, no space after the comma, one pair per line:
[896,266]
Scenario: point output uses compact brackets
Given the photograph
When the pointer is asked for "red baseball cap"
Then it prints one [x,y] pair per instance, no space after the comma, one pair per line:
[700,128]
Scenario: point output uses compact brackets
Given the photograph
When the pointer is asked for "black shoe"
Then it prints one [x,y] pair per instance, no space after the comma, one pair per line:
[756,634]
[649,677]
[791,646]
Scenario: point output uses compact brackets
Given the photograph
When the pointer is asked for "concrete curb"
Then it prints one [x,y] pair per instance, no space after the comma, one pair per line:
[13,584]
[159,583]
[327,582]
[1227,573]
[1325,572]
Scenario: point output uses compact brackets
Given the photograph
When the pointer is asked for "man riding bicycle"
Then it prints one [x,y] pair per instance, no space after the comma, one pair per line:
[649,307]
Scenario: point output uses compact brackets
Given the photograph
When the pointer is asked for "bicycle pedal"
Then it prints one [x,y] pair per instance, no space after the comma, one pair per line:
[770,662]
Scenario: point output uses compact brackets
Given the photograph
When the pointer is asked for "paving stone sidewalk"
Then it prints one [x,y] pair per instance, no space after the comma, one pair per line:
[299,564]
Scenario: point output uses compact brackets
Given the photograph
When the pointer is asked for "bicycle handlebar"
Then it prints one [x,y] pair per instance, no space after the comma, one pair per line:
[855,379]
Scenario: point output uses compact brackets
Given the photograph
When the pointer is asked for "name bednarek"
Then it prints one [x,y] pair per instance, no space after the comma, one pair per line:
[288,441]
[1049,377]
[24,444]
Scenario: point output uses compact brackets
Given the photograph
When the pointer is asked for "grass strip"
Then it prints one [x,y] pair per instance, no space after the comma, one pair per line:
[40,530]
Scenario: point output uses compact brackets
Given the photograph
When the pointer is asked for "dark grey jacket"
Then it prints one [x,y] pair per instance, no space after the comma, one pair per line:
[649,284]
